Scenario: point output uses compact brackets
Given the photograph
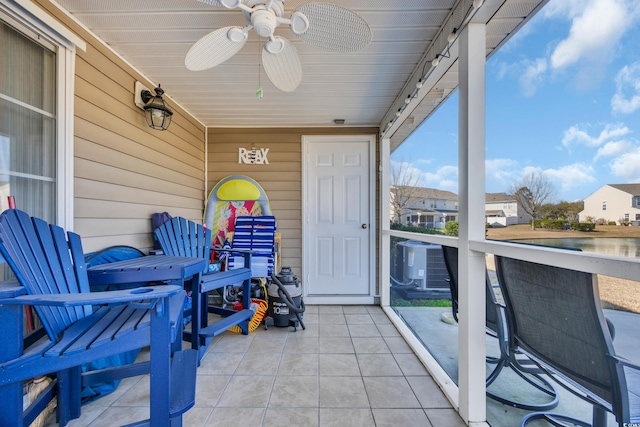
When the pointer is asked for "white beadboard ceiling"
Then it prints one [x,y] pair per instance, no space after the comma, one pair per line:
[365,88]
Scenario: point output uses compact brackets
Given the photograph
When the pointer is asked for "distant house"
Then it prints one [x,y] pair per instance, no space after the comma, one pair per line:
[503,209]
[428,207]
[613,202]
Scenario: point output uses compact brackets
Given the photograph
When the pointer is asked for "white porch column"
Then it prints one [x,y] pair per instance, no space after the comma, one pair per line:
[471,186]
[385,215]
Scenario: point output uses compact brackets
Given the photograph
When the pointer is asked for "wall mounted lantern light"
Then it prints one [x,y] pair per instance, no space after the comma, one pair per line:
[156,112]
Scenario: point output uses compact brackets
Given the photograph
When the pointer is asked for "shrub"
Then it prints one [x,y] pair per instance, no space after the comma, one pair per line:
[602,221]
[583,226]
[414,229]
[451,228]
[612,223]
[552,224]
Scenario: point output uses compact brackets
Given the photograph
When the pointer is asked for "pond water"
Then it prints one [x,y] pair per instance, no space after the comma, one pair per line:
[628,247]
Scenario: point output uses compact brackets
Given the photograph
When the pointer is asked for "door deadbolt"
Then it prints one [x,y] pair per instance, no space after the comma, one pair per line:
[364,226]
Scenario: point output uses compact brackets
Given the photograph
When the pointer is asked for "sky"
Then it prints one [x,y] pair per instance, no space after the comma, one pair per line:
[562,98]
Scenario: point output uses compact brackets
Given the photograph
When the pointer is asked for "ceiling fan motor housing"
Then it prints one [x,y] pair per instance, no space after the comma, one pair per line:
[264,22]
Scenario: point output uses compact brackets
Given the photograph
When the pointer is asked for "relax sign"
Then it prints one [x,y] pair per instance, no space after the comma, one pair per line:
[253,156]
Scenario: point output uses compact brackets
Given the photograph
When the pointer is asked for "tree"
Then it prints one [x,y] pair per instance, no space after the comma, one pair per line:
[406,182]
[562,210]
[532,192]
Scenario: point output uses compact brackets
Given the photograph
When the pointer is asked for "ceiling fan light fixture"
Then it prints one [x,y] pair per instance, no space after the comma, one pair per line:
[236,35]
[299,23]
[231,4]
[274,45]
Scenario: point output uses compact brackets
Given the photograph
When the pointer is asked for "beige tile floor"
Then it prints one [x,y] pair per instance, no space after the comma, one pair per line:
[350,367]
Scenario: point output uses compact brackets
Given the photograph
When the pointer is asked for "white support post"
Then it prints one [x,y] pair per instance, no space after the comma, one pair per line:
[385,208]
[471,179]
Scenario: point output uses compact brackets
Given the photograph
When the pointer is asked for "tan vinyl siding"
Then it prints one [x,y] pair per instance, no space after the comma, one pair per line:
[123,170]
[281,178]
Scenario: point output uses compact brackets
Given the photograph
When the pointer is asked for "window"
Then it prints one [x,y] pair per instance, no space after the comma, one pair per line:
[637,217]
[626,217]
[37,61]
[28,132]
[636,201]
[604,206]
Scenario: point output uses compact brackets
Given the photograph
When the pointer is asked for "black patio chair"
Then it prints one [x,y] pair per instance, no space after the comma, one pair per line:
[509,356]
[555,317]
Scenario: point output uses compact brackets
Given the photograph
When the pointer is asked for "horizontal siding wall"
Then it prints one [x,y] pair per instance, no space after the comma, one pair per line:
[125,171]
[281,178]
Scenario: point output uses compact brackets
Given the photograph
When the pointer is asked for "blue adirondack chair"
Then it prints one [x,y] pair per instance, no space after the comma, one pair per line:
[180,237]
[83,326]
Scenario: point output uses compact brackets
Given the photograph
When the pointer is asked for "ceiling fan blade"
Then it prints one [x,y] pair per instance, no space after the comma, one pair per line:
[211,2]
[282,68]
[215,48]
[334,28]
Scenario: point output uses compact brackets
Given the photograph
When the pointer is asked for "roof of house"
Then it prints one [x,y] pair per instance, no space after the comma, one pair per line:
[498,197]
[432,193]
[633,189]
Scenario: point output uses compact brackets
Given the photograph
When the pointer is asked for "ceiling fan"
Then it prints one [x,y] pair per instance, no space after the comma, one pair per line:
[323,25]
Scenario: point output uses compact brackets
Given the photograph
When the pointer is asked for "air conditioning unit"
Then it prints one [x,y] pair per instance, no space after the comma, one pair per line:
[423,264]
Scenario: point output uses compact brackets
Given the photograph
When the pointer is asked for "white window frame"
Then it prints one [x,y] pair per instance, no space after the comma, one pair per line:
[27,16]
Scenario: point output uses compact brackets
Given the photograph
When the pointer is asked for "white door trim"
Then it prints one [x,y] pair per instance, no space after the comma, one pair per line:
[341,299]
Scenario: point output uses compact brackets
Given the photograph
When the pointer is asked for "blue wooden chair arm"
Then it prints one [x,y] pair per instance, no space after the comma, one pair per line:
[11,288]
[146,293]
[219,279]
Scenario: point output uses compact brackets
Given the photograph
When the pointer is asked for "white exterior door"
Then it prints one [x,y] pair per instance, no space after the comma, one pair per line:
[338,221]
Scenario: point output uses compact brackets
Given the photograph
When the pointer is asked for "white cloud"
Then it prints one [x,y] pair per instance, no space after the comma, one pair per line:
[613,148]
[593,32]
[503,170]
[569,8]
[564,178]
[626,165]
[532,76]
[576,136]
[423,161]
[571,176]
[596,28]
[530,170]
[446,177]
[448,184]
[627,97]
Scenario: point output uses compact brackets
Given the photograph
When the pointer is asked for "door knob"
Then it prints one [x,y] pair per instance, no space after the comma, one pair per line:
[364,226]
